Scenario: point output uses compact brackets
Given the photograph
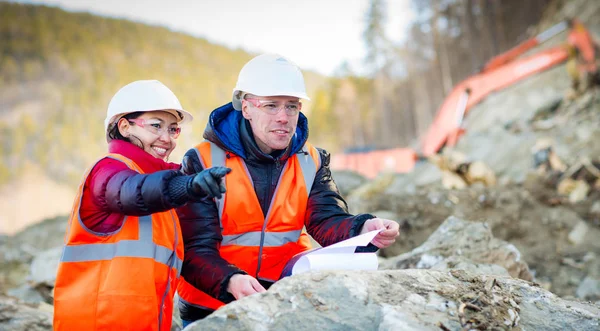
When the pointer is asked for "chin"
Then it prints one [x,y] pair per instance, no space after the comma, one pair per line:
[279,147]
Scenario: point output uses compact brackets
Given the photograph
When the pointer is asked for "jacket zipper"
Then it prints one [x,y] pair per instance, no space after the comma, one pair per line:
[273,181]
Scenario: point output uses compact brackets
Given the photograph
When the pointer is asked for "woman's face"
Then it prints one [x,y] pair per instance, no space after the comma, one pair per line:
[154,131]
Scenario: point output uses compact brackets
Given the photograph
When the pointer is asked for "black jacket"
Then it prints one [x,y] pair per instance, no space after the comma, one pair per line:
[327,217]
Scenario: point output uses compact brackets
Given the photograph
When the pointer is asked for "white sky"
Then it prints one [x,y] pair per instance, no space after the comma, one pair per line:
[316,34]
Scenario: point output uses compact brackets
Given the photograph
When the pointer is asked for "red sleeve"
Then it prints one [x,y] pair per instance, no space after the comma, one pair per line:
[94,211]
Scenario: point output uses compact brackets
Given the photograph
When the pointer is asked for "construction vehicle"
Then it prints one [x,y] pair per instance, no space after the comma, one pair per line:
[500,72]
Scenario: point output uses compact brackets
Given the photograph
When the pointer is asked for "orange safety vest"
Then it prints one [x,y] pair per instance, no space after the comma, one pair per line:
[258,244]
[123,280]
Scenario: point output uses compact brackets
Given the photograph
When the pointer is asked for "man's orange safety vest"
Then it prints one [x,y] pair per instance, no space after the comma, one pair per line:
[258,244]
[123,280]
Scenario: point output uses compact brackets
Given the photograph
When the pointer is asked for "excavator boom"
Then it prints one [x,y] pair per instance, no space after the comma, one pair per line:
[498,73]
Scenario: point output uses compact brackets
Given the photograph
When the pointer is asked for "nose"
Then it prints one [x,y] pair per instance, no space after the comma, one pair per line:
[164,136]
[282,117]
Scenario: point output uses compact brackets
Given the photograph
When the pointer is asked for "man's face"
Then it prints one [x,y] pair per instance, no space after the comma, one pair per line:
[270,119]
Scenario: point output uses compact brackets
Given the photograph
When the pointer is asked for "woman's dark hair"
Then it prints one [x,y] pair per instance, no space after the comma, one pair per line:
[113,130]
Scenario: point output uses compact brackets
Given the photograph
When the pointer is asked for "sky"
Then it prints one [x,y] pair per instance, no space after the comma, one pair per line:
[317,35]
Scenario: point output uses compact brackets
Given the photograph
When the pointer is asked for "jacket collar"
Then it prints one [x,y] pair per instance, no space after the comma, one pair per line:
[143,159]
[228,129]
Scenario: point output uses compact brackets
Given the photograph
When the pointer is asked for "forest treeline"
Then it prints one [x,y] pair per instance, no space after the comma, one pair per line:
[59,69]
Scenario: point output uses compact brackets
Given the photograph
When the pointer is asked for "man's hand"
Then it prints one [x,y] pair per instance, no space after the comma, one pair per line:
[243,285]
[209,182]
[386,237]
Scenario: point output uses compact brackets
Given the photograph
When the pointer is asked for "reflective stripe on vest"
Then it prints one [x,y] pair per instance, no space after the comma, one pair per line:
[271,239]
[144,247]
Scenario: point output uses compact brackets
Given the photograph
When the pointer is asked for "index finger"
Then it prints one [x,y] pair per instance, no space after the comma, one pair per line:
[391,229]
[257,286]
[219,171]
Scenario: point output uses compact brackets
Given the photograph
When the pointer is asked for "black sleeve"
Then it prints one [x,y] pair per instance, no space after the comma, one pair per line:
[131,193]
[203,266]
[327,218]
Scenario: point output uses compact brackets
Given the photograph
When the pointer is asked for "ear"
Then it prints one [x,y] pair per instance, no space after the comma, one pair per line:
[124,127]
[245,111]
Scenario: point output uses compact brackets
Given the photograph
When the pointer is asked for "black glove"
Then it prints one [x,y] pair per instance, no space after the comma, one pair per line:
[209,182]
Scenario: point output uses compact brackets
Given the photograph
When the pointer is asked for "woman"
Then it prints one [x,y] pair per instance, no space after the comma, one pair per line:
[123,253]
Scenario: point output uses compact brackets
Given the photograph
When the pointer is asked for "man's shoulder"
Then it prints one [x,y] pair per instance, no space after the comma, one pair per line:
[321,151]
[324,156]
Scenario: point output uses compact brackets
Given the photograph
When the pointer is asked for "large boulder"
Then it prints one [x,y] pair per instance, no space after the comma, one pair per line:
[402,300]
[469,240]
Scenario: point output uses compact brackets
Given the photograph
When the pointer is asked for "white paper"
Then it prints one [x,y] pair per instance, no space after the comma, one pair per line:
[339,256]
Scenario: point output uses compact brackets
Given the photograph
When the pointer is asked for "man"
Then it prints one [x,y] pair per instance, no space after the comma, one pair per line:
[239,244]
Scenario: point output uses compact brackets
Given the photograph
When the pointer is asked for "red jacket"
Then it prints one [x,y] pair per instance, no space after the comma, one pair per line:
[112,190]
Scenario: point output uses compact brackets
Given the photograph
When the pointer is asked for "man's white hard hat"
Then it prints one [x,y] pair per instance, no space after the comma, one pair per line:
[144,95]
[269,75]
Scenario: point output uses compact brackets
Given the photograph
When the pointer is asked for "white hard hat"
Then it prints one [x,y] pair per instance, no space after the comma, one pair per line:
[144,95]
[269,75]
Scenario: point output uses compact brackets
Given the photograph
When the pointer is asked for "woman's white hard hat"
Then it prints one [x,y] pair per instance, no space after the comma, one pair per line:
[144,95]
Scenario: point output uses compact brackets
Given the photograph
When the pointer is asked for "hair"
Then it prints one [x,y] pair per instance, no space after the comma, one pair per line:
[113,132]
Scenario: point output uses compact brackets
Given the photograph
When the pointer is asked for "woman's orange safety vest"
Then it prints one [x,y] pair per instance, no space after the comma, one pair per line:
[258,244]
[124,280]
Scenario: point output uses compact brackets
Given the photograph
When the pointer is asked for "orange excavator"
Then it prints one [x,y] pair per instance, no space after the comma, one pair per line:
[500,72]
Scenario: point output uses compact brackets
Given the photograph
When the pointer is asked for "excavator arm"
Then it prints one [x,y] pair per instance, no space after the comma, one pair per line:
[500,72]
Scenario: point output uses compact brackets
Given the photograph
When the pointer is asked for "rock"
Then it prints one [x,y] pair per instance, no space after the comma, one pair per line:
[577,235]
[595,209]
[45,266]
[449,160]
[17,252]
[347,181]
[579,192]
[14,267]
[566,186]
[402,300]
[42,236]
[16,316]
[26,294]
[356,199]
[589,289]
[452,181]
[462,263]
[386,214]
[176,324]
[471,240]
[545,157]
[480,172]
[424,174]
[509,160]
